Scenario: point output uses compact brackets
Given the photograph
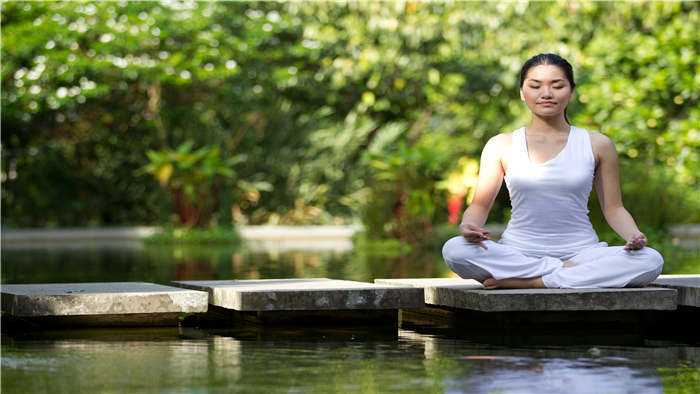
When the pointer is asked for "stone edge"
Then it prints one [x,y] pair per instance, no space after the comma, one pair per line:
[591,300]
[251,300]
[96,304]
[687,296]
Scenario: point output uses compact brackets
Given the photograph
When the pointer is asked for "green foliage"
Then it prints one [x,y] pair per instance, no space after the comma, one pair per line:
[684,379]
[655,196]
[389,247]
[192,177]
[195,236]
[403,185]
[442,233]
[391,258]
[310,91]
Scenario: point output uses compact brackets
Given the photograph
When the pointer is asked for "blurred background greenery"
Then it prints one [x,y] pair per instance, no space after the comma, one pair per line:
[220,113]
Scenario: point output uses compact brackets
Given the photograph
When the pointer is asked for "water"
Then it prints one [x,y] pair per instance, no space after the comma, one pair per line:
[414,359]
[129,261]
[257,360]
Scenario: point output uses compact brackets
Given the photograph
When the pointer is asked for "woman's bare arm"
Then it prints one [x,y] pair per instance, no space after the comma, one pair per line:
[489,183]
[607,183]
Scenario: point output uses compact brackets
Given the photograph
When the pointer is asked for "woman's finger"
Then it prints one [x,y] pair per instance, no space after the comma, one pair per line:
[637,242]
[478,238]
[635,245]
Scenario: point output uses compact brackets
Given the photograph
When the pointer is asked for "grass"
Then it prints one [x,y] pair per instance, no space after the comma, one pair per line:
[195,236]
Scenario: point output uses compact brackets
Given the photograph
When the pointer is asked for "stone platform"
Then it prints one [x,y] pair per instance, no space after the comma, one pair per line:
[688,287]
[305,294]
[469,294]
[458,304]
[99,304]
[297,301]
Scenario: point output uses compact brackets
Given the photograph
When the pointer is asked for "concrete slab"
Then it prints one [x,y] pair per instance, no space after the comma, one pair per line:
[305,294]
[69,235]
[423,282]
[92,299]
[466,297]
[688,287]
[305,233]
[467,294]
[431,282]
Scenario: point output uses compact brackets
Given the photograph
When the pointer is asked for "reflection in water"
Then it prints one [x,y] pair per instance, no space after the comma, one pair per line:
[583,375]
[284,360]
[226,358]
[332,360]
[124,261]
[162,264]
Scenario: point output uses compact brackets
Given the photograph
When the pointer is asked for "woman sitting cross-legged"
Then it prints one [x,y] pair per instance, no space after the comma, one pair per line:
[549,167]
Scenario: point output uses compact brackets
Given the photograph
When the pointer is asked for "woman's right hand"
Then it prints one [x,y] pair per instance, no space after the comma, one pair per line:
[475,234]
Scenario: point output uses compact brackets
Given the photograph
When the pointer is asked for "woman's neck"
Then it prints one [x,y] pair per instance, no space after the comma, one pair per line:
[548,126]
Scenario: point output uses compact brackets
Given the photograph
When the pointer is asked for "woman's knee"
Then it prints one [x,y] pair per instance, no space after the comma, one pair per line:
[454,250]
[653,264]
[456,253]
[458,249]
[654,260]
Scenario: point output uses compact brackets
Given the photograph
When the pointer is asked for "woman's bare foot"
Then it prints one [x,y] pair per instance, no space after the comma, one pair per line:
[514,283]
[569,263]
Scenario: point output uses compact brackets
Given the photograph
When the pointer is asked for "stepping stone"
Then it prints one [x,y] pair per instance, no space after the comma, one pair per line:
[469,294]
[103,304]
[317,294]
[431,282]
[688,287]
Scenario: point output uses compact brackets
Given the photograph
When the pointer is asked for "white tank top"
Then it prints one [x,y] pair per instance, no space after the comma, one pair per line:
[550,200]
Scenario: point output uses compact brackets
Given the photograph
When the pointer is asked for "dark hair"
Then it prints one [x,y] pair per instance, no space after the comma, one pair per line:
[555,60]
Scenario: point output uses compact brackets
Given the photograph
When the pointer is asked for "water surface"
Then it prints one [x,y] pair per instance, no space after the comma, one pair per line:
[257,360]
[249,359]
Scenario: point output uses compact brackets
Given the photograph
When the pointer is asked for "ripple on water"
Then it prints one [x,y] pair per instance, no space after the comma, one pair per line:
[557,375]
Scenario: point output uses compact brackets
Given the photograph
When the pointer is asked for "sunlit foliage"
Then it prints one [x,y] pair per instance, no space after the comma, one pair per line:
[316,94]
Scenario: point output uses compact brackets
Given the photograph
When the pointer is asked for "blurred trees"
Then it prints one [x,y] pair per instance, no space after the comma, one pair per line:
[192,178]
[342,110]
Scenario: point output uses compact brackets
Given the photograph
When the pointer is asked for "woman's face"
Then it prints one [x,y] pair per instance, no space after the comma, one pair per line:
[546,91]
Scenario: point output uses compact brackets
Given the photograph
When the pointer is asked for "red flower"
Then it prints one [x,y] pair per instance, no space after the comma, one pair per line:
[454,207]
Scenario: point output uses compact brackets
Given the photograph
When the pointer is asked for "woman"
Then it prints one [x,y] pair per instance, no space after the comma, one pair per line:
[549,167]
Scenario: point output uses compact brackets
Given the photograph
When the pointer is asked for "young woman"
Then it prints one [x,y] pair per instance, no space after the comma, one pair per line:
[549,167]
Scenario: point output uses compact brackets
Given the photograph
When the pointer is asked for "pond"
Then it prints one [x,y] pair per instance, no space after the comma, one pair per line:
[250,359]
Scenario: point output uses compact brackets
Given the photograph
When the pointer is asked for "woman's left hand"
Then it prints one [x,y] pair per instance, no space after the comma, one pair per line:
[636,242]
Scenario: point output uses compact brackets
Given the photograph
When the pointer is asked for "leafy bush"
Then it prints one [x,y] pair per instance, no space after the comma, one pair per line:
[305,88]
[192,178]
[404,201]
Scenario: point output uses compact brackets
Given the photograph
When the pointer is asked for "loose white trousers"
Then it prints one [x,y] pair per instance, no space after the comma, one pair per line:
[598,266]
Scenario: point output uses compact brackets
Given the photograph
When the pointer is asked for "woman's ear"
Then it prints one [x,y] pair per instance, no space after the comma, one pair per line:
[522,97]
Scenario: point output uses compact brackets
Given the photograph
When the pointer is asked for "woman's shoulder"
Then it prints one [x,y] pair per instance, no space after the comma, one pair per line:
[602,145]
[497,148]
[600,140]
[597,138]
[498,145]
[503,140]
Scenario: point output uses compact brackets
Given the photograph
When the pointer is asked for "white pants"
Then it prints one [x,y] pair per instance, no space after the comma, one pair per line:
[598,266]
